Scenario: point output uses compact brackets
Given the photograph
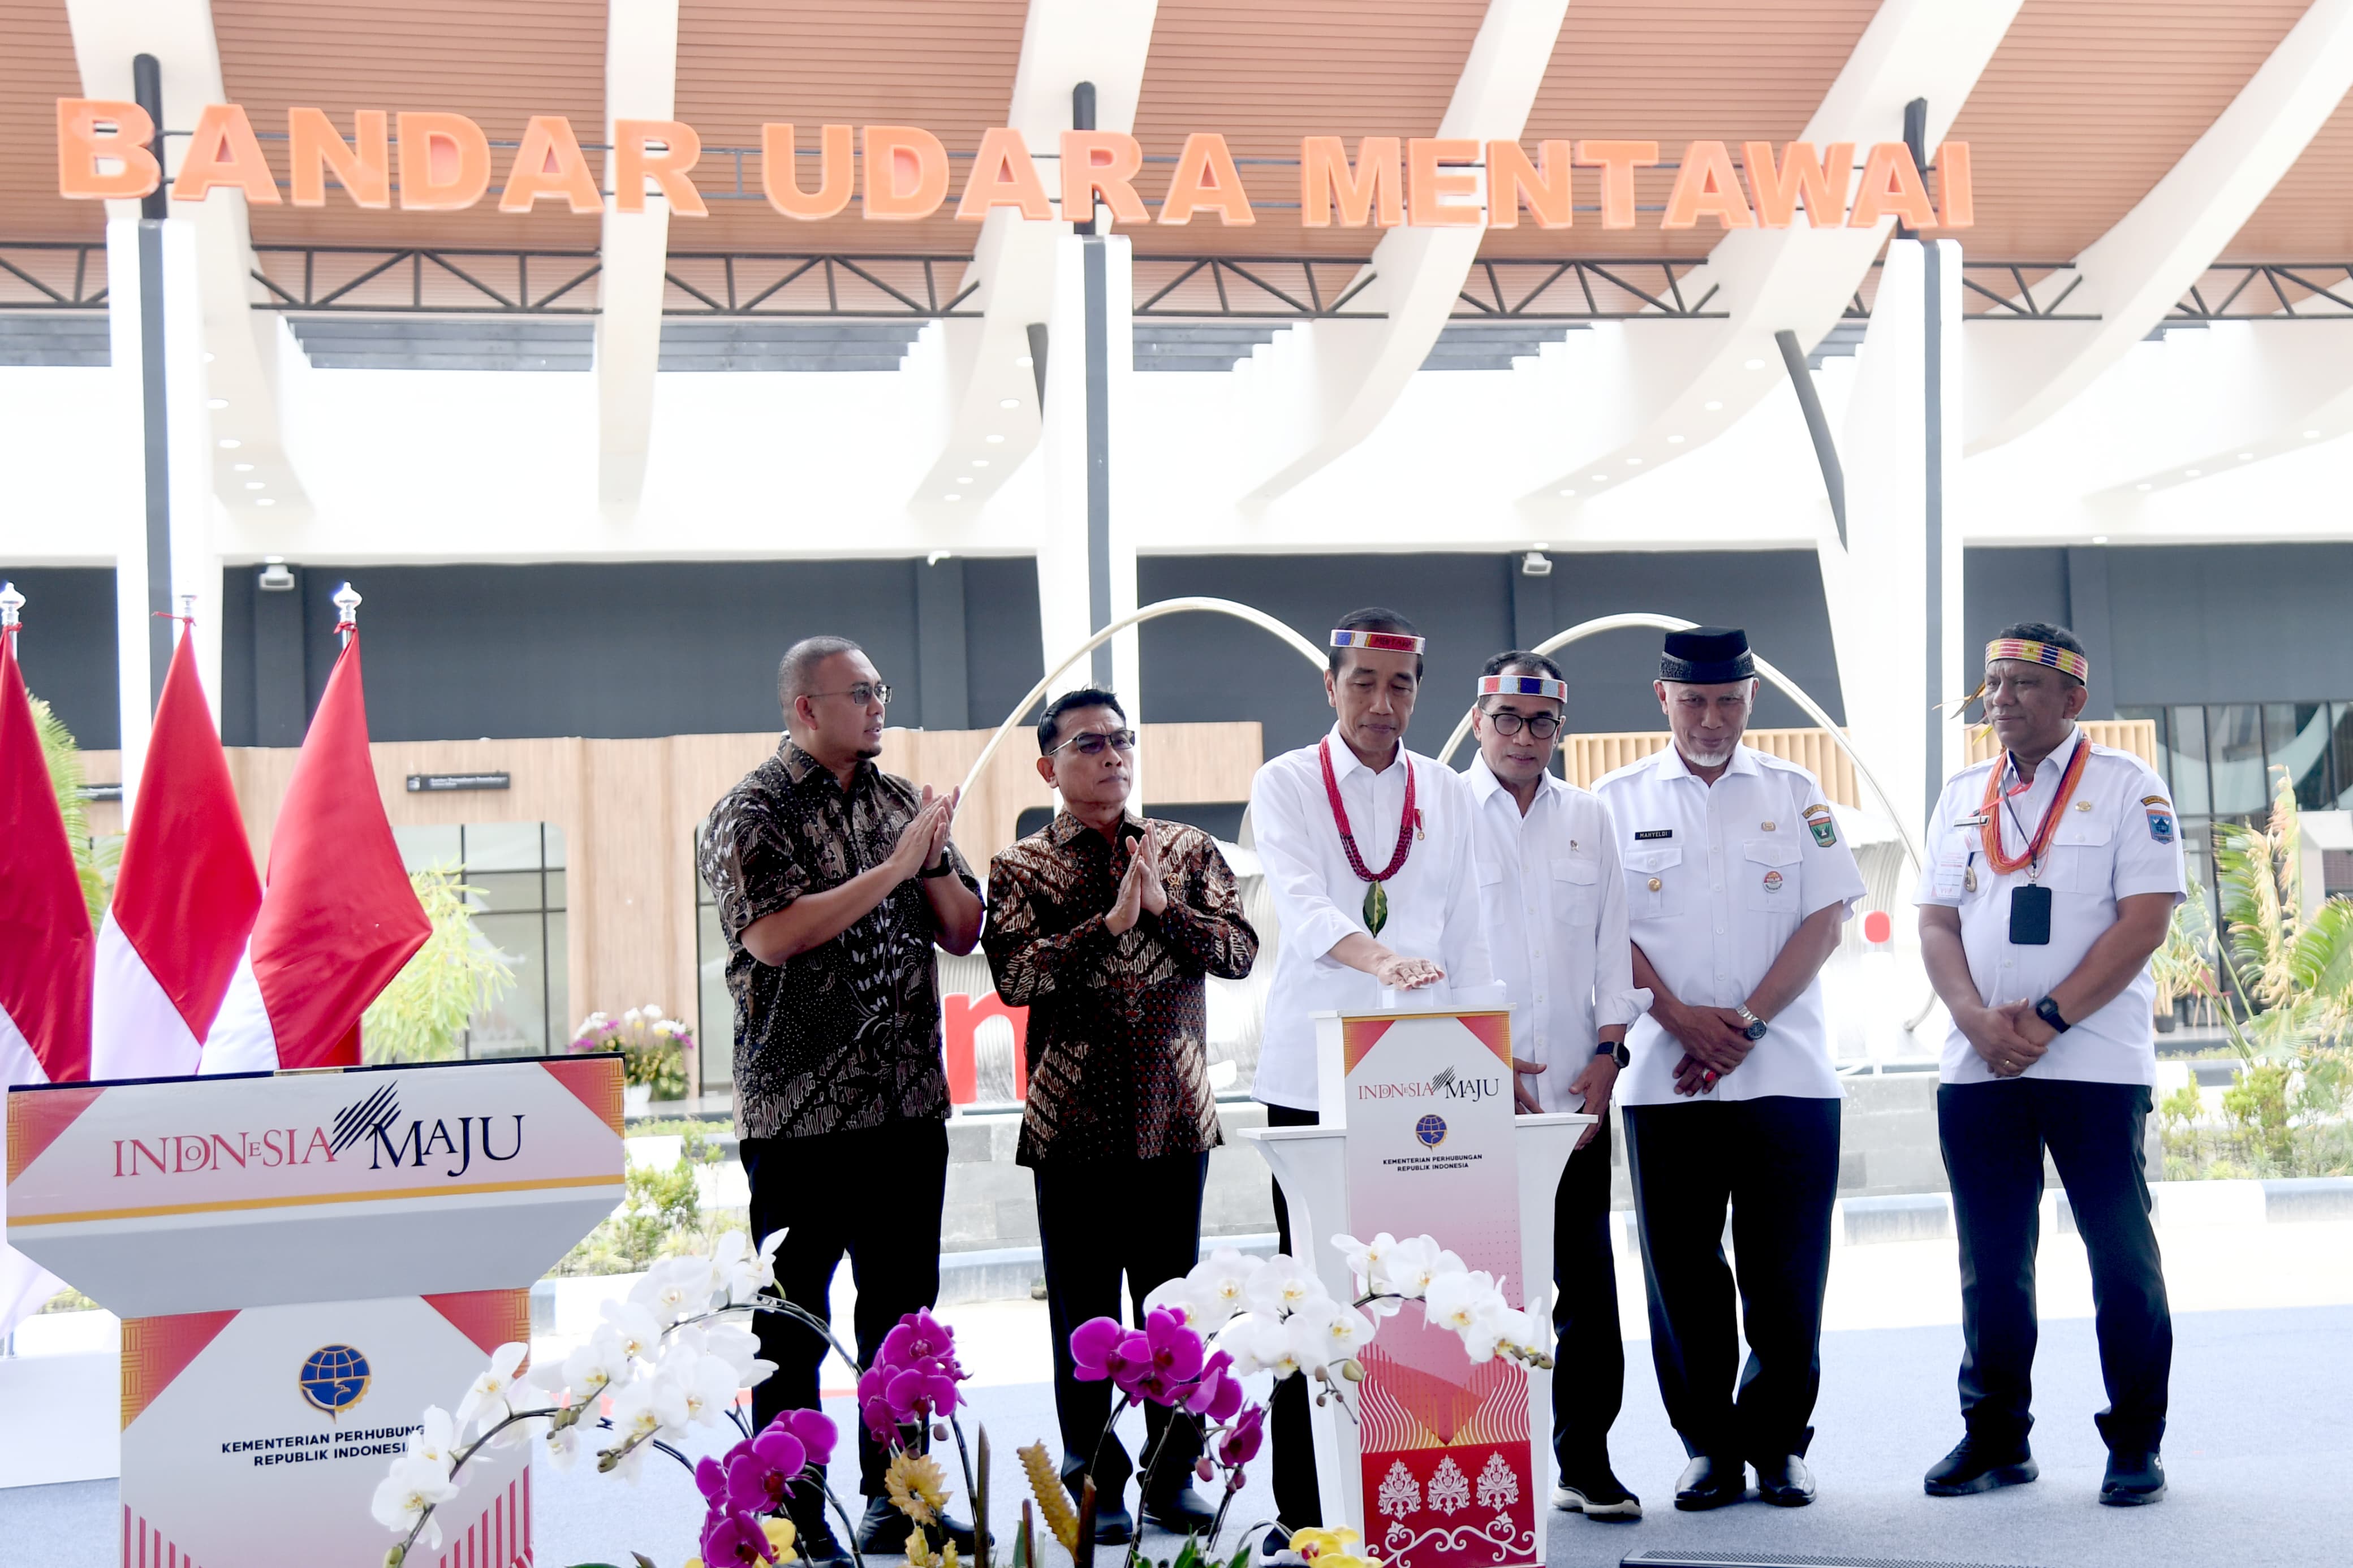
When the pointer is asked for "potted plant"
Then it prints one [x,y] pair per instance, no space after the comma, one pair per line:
[653,1047]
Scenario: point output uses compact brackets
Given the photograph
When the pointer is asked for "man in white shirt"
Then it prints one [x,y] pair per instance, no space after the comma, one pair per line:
[1737,887]
[1367,855]
[2053,876]
[1554,905]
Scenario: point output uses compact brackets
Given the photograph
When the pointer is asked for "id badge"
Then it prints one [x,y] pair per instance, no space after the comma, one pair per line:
[2030,916]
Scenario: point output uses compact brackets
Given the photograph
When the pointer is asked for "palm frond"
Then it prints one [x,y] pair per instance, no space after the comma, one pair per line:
[93,863]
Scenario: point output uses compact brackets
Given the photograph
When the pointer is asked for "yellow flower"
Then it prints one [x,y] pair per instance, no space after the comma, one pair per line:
[919,1551]
[917,1488]
[1344,1559]
[779,1533]
[1054,1503]
[692,1563]
[948,1555]
[1326,1545]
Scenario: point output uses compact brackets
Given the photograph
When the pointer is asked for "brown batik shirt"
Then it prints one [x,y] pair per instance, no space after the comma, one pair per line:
[847,1035]
[1118,1032]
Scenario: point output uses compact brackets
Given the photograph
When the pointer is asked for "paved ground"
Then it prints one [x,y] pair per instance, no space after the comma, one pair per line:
[2258,1442]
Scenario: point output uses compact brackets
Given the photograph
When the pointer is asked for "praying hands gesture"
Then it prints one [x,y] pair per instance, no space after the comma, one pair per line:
[925,838]
[1142,890]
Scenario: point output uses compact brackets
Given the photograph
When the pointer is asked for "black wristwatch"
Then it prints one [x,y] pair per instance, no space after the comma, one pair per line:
[1755,1025]
[2047,1011]
[1615,1051]
[942,869]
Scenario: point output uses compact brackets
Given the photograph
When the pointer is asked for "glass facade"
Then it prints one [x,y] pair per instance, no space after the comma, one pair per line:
[515,874]
[714,1023]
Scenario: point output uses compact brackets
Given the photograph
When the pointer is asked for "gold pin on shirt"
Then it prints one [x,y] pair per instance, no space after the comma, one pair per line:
[2083,805]
[1655,884]
[1767,826]
[1970,879]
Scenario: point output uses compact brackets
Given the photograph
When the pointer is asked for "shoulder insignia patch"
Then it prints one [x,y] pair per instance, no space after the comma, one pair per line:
[2156,800]
[2160,819]
[1825,827]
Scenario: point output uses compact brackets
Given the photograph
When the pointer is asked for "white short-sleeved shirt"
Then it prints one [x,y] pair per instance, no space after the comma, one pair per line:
[1718,878]
[1554,899]
[1433,899]
[2118,838]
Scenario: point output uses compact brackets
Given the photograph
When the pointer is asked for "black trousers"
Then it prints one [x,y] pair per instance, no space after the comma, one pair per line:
[874,1194]
[1994,1135]
[1589,1379]
[1298,1501]
[1775,1161]
[1096,1221]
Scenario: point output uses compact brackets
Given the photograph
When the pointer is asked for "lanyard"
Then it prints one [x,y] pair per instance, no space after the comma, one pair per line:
[1990,834]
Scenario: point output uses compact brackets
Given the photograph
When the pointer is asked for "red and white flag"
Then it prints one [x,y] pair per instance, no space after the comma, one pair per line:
[185,899]
[338,916]
[45,944]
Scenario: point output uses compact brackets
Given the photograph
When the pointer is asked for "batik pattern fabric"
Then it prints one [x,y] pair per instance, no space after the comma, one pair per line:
[1118,1032]
[847,1035]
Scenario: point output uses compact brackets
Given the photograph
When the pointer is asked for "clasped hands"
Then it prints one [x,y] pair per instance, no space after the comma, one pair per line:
[925,838]
[2008,1035]
[1142,891]
[1714,1041]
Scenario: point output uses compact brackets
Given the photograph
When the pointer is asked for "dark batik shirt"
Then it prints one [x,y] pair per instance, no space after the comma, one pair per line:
[847,1035]
[1118,1034]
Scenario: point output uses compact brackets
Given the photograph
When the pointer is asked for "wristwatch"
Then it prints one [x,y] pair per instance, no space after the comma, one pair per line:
[1757,1026]
[1615,1051]
[2047,1011]
[942,869]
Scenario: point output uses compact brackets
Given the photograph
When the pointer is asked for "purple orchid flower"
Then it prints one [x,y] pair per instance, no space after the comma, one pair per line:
[1217,1394]
[1241,1442]
[1095,1348]
[711,1475]
[815,1430]
[872,1407]
[760,1472]
[920,1392]
[920,1337]
[1173,1355]
[731,1536]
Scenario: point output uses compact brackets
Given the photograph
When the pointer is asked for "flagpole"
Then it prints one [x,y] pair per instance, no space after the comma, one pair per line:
[11,602]
[347,603]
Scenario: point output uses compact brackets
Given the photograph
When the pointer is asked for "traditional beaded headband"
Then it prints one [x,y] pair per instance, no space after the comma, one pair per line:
[1386,642]
[1522,686]
[2066,660]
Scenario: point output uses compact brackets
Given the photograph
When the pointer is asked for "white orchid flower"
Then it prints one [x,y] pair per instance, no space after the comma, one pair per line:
[736,1272]
[655,1403]
[653,1010]
[1221,1284]
[596,1366]
[634,1326]
[486,1401]
[1283,1285]
[435,1438]
[1457,1302]
[402,1497]
[1416,1263]
[1328,1332]
[767,1271]
[709,1388]
[1367,1260]
[1179,1296]
[739,1348]
[563,1447]
[675,1287]
[1518,1329]
[1275,1348]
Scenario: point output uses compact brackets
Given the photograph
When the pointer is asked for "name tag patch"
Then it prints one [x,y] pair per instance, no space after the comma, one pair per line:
[1654,833]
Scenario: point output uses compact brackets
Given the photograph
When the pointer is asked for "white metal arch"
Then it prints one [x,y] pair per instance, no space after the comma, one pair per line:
[1259,618]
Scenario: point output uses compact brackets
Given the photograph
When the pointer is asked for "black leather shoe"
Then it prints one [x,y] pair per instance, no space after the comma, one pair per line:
[1785,1482]
[1183,1512]
[1979,1466]
[1596,1493]
[2133,1479]
[1114,1526]
[884,1530]
[813,1536]
[1711,1483]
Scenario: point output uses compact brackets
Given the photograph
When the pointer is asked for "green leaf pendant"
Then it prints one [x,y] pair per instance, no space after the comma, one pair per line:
[1376,909]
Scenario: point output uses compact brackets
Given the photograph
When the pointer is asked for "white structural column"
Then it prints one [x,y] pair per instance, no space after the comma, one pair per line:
[1617,397]
[640,83]
[987,405]
[1066,568]
[1324,386]
[1899,645]
[2136,272]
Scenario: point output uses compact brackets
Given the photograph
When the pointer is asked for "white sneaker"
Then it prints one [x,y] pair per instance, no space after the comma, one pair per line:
[1601,1497]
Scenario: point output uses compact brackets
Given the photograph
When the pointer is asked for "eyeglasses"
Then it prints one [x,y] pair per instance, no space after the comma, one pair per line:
[1543,726]
[863,693]
[1092,742]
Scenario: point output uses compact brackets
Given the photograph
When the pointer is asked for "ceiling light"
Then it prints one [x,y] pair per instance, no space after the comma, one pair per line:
[231,444]
[977,463]
[1008,403]
[1633,462]
[965,480]
[951,496]
[2246,456]
[216,403]
[993,439]
[1601,479]
[1752,364]
[264,500]
[1713,404]
[2312,435]
[1567,494]
[1675,440]
[255,484]
[2192,473]
[242,467]
[1024,362]
[2099,539]
[2146,485]
[208,356]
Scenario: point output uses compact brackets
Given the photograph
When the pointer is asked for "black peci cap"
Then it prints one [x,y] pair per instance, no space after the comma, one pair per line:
[1707,656]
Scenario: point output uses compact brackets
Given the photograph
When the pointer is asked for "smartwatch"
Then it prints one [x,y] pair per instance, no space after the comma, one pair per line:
[1757,1026]
[2047,1011]
[942,869]
[1615,1051]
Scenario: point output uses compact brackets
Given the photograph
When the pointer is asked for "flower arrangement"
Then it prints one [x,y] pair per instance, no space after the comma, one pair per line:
[1233,1315]
[653,1047]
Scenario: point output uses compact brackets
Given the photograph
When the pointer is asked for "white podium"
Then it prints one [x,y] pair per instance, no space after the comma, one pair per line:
[303,1261]
[1459,1475]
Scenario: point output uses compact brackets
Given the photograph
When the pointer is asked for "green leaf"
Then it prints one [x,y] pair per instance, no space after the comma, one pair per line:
[1376,909]
[457,975]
